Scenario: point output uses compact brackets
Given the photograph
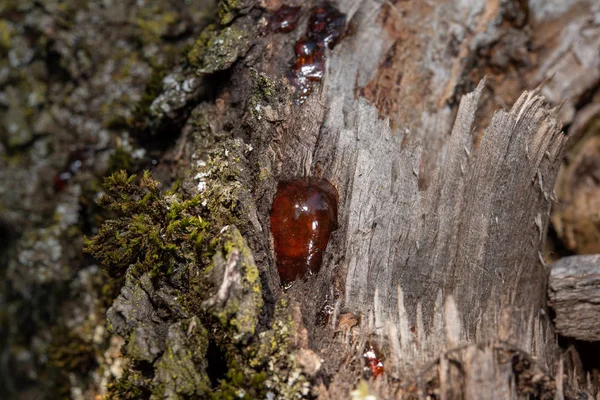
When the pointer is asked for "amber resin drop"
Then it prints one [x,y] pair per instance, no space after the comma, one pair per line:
[303,215]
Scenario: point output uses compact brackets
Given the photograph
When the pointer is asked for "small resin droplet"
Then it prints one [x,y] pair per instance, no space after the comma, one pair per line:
[305,47]
[326,25]
[373,361]
[285,19]
[303,215]
[311,66]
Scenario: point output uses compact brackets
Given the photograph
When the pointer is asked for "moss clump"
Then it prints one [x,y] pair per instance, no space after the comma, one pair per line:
[130,386]
[228,10]
[216,50]
[241,385]
[150,232]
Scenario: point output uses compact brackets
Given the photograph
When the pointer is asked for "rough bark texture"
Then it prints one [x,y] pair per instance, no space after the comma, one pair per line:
[445,180]
[574,296]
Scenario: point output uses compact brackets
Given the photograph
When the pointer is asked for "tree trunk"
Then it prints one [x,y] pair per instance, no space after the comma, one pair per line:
[442,126]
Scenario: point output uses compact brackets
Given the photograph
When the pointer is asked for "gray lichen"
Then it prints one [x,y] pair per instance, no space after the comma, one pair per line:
[238,300]
[216,50]
[181,370]
[133,317]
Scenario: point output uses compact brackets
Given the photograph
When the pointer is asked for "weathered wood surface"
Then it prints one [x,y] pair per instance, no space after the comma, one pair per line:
[423,209]
[574,293]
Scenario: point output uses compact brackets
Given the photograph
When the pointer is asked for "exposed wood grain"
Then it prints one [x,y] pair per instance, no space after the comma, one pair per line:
[574,292]
[486,378]
[453,236]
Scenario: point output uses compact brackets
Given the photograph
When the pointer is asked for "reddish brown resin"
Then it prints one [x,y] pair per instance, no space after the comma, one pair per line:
[303,215]
[285,19]
[326,25]
[373,361]
[325,29]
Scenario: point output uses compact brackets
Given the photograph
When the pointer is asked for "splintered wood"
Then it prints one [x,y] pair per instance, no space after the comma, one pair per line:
[473,228]
[457,237]
[424,213]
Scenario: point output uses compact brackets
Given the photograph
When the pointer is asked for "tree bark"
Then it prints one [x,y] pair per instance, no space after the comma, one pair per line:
[444,198]
[442,125]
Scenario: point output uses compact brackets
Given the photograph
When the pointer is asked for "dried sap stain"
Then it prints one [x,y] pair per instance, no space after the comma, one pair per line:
[303,215]
[325,29]
[285,19]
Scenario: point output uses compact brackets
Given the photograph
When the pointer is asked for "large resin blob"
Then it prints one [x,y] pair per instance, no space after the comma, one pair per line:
[303,215]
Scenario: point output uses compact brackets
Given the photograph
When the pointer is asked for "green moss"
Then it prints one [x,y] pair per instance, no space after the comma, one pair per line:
[5,36]
[150,232]
[238,384]
[217,50]
[130,386]
[228,10]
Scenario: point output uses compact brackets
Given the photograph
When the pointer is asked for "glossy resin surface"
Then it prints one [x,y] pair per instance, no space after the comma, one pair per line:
[303,215]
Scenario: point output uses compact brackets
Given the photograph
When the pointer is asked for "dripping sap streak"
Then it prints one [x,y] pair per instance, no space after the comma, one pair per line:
[325,29]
